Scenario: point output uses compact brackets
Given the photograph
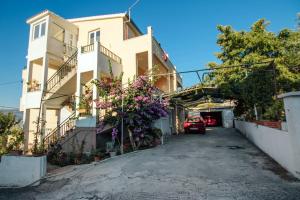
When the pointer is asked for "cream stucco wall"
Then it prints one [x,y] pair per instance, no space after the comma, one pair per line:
[24,91]
[111,32]
[50,51]
[52,118]
[30,127]
[35,71]
[129,49]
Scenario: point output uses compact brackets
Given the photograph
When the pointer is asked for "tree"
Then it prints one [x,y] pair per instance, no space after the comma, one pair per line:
[139,104]
[9,128]
[265,64]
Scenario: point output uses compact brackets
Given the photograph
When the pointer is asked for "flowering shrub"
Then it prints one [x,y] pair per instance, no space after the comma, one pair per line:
[141,105]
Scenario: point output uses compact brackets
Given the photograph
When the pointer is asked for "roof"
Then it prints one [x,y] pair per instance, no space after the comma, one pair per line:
[97,17]
[81,19]
[109,16]
[41,15]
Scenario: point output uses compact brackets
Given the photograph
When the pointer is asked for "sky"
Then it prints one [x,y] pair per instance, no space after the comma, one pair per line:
[186,29]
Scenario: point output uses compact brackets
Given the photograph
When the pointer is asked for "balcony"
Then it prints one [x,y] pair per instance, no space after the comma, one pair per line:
[161,55]
[103,50]
[94,57]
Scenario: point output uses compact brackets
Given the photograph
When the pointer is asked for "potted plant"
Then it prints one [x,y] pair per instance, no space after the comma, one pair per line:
[33,85]
[85,101]
[157,133]
[98,155]
[113,153]
[111,149]
[84,107]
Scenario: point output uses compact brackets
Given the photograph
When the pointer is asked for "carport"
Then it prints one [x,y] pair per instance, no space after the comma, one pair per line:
[207,102]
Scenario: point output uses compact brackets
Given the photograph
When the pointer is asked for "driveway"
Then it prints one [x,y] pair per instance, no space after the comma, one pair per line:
[218,165]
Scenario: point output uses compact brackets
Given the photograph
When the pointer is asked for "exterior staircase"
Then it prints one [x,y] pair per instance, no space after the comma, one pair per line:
[61,77]
[64,74]
[60,132]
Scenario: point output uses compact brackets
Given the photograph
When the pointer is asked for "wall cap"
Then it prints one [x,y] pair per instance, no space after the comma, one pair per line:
[289,94]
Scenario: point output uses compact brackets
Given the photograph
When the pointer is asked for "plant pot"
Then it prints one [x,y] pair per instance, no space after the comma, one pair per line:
[15,152]
[157,141]
[82,111]
[77,161]
[112,154]
[97,158]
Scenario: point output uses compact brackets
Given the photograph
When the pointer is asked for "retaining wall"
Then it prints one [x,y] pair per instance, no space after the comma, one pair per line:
[20,171]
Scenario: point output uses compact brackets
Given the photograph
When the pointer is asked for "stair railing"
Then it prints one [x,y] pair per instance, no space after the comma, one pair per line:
[60,131]
[62,72]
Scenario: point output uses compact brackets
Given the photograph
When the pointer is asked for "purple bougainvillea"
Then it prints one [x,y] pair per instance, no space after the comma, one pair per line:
[114,133]
[141,105]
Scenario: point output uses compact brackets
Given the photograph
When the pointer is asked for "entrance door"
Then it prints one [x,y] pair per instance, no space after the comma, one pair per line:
[94,36]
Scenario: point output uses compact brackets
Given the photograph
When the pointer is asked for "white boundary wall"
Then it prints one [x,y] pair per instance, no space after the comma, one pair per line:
[282,146]
[274,142]
[20,171]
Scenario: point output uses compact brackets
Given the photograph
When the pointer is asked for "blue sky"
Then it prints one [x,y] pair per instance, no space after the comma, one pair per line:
[185,28]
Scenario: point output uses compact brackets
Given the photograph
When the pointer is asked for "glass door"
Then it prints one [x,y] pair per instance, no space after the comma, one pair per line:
[94,36]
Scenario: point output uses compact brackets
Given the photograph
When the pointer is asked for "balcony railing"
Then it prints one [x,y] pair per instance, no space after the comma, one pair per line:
[109,54]
[69,50]
[87,48]
[103,50]
[160,53]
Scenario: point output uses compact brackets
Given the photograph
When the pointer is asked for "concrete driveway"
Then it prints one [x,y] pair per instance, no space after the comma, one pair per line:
[218,165]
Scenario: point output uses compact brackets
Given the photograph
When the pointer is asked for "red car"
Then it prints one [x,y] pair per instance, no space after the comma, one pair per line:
[194,124]
[210,121]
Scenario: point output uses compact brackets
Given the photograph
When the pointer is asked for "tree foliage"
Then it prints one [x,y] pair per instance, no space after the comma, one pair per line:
[138,104]
[11,136]
[266,64]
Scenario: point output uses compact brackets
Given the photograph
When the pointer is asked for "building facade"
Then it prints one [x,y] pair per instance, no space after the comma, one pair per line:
[65,55]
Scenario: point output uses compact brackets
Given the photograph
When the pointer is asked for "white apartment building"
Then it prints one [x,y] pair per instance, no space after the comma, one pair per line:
[65,54]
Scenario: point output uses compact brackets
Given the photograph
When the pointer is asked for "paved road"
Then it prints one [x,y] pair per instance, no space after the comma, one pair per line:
[218,165]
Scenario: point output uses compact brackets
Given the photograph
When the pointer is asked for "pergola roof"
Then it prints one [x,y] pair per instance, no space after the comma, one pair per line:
[197,94]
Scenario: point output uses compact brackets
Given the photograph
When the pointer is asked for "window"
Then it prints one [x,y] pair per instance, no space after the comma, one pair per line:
[36,31]
[43,28]
[39,30]
[94,36]
[98,36]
